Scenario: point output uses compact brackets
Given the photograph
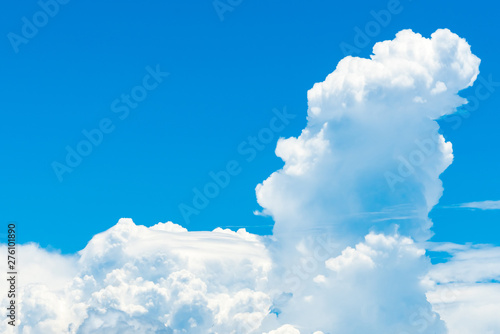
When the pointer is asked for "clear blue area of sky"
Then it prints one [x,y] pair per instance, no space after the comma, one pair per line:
[226,77]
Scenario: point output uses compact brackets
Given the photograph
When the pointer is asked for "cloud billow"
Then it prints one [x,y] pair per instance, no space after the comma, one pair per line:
[371,150]
[350,207]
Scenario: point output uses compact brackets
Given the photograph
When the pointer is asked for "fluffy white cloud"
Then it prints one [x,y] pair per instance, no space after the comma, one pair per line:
[367,164]
[285,329]
[465,289]
[134,279]
[373,287]
[164,279]
[371,145]
[350,207]
[468,308]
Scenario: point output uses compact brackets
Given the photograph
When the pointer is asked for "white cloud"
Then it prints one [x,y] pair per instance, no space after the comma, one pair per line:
[484,205]
[373,287]
[349,203]
[478,263]
[473,308]
[147,280]
[465,290]
[285,329]
[372,167]
[368,146]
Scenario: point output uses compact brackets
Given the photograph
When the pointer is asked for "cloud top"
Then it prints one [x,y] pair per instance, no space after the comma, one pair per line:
[371,153]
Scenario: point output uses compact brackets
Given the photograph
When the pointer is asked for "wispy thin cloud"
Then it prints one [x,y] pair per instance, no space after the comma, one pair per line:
[484,205]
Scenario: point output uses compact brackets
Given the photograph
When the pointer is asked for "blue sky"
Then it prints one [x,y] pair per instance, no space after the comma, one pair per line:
[225,79]
[233,113]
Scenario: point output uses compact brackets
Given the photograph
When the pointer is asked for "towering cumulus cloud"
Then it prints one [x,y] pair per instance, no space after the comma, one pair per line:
[371,154]
[350,207]
[365,171]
